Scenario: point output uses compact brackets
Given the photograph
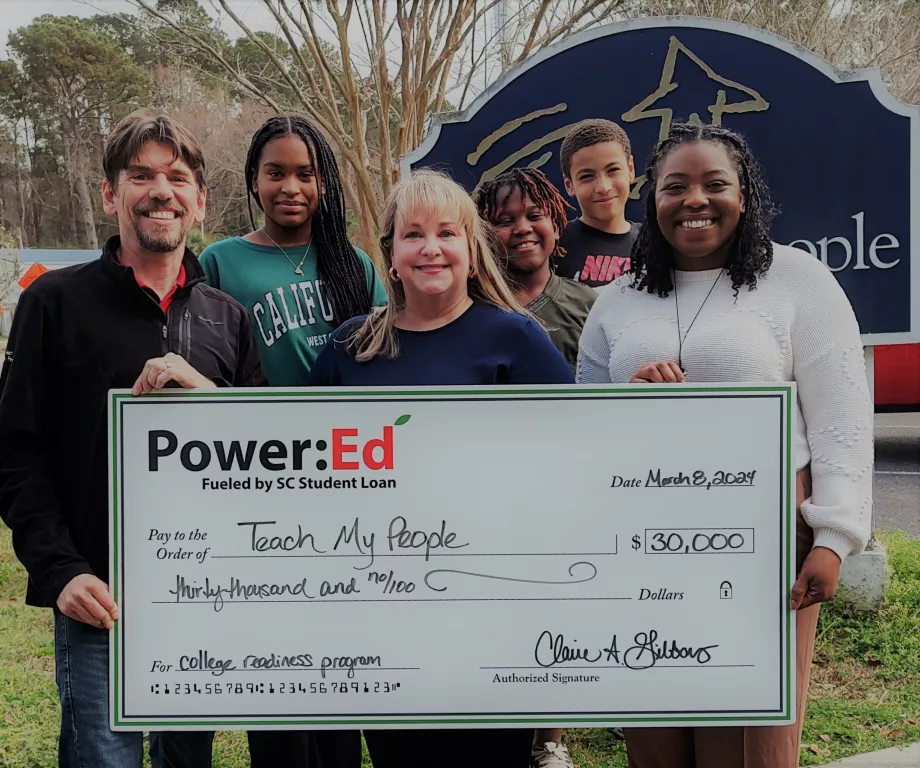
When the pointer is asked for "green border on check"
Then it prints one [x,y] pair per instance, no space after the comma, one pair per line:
[116,397]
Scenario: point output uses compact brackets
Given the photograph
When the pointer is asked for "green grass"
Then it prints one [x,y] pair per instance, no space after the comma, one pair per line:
[866,679]
[865,692]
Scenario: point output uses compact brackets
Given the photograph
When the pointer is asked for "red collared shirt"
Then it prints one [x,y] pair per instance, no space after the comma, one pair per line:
[167,299]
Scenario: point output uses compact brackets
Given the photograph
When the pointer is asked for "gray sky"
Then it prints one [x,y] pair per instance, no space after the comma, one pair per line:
[18,13]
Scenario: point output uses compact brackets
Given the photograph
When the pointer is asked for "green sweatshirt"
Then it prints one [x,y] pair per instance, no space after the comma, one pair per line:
[291,314]
[563,308]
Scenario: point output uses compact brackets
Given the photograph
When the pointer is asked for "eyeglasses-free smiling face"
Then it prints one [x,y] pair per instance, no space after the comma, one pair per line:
[699,202]
[525,230]
[156,200]
[431,255]
[287,184]
[600,178]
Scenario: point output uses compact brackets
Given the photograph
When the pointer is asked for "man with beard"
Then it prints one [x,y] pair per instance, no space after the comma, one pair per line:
[138,317]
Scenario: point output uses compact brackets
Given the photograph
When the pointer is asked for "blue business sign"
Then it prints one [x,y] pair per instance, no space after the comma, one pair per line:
[841,154]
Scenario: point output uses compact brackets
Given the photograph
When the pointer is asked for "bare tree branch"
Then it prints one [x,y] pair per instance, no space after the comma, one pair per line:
[279,65]
[402,60]
[307,70]
[316,49]
[565,28]
[213,52]
[532,37]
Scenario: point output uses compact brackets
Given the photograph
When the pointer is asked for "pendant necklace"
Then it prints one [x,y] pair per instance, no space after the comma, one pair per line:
[681,339]
[297,267]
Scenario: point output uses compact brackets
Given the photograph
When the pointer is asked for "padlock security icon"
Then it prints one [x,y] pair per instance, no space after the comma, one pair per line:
[725,590]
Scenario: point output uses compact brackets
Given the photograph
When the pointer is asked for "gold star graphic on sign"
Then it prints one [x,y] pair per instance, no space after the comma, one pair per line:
[645,108]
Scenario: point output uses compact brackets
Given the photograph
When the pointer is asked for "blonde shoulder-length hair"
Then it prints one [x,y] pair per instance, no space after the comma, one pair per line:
[433,193]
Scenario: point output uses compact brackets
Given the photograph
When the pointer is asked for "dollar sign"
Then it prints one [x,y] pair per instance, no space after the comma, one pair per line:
[637,542]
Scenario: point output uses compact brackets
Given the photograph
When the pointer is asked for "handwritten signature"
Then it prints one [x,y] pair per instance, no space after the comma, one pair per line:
[553,649]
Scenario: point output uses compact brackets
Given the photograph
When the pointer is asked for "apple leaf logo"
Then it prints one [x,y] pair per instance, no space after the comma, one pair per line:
[402,420]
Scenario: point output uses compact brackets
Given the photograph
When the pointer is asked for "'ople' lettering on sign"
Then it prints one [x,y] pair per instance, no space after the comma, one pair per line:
[855,245]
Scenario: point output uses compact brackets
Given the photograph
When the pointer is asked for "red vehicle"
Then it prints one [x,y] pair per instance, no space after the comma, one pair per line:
[897,376]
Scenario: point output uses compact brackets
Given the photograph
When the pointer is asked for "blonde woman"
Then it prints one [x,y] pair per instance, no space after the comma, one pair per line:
[450,319]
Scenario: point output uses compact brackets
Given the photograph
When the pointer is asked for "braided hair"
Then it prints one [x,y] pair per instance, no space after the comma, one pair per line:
[751,251]
[532,183]
[338,263]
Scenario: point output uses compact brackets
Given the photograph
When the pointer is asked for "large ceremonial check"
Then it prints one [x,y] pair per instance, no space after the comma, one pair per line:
[452,557]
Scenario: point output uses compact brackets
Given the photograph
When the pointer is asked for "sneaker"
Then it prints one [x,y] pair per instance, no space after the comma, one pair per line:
[550,755]
[617,734]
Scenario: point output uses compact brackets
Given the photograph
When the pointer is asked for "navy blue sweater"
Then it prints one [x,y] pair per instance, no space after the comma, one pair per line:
[485,345]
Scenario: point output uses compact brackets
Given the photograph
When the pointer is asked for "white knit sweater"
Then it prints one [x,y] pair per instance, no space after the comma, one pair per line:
[797,325]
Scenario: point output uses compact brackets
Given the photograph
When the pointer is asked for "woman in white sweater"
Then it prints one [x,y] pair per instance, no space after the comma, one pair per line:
[709,297]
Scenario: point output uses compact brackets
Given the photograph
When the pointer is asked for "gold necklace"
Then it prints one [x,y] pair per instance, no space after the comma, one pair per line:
[297,267]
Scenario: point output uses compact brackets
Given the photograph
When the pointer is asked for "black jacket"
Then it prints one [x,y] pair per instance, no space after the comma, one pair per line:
[78,332]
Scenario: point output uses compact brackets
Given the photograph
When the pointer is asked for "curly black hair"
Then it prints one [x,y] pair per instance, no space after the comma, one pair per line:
[338,262]
[533,183]
[752,249]
[587,133]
